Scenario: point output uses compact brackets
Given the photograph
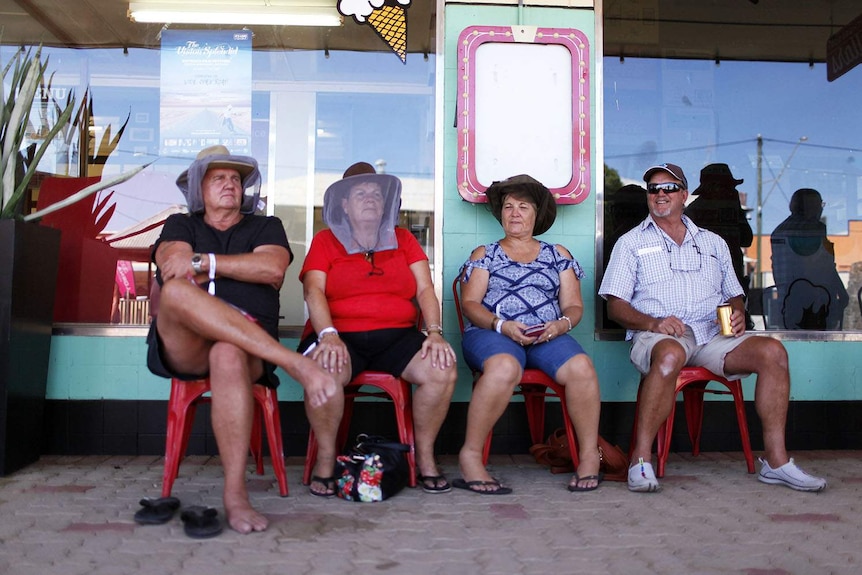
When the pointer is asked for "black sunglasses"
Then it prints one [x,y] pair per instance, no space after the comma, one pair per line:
[667,187]
[375,271]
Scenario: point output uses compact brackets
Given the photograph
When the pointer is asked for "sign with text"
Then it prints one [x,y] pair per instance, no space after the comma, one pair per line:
[844,50]
[205,91]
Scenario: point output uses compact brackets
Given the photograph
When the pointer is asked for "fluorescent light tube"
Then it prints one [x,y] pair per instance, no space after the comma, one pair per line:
[188,13]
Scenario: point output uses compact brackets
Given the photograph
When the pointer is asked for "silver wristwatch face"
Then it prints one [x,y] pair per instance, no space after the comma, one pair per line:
[196,263]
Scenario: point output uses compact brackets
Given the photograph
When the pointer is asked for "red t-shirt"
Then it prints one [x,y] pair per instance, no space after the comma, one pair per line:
[358,299]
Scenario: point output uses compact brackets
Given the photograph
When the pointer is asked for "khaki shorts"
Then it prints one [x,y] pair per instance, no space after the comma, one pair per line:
[709,355]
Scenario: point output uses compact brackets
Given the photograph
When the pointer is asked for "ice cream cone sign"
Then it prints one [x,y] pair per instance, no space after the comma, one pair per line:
[388,18]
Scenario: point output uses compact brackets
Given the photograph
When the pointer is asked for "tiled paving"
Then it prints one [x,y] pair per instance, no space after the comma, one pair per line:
[73,516]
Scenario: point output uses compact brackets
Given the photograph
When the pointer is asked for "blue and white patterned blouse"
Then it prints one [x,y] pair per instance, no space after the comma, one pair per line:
[525,292]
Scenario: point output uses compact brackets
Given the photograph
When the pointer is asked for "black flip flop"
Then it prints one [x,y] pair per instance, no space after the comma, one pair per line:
[200,522]
[156,511]
[328,484]
[575,488]
[472,485]
[439,484]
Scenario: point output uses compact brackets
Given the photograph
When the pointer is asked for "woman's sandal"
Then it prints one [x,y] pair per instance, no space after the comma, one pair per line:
[328,484]
[434,483]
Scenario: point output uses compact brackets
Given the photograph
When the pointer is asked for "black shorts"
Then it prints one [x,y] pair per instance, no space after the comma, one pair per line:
[156,363]
[386,350]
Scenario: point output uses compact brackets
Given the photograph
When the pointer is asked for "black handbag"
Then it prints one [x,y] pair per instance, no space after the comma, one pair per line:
[374,469]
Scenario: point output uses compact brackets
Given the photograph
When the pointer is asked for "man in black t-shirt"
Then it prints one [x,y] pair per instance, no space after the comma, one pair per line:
[220,268]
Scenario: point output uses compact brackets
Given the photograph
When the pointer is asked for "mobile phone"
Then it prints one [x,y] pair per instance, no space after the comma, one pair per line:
[534,330]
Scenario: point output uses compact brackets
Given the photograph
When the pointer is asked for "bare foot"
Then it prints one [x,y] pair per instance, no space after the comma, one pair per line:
[242,517]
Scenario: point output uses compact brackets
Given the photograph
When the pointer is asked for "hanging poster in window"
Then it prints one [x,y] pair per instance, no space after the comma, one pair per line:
[205,91]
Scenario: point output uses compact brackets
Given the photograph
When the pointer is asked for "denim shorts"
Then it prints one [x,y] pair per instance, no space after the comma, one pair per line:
[480,344]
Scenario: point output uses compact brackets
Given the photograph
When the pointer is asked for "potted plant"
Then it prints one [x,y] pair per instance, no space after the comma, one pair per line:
[28,255]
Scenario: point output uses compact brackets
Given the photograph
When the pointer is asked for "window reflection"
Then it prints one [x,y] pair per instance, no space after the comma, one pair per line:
[313,113]
[691,112]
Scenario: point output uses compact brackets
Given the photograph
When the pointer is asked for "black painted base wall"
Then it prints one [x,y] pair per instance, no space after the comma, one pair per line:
[109,427]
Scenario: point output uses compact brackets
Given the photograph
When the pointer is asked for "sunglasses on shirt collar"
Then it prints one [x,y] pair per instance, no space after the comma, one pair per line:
[666,187]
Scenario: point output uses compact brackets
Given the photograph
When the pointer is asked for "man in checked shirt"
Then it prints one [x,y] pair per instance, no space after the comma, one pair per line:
[663,283]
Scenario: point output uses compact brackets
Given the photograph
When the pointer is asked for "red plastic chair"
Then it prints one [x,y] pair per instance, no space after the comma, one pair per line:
[534,387]
[388,386]
[692,382]
[187,395]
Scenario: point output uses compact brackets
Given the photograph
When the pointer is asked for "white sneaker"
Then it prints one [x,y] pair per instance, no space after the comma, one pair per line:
[642,477]
[788,474]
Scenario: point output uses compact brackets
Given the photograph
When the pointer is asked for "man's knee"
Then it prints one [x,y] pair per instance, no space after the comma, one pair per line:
[770,352]
[225,356]
[668,358]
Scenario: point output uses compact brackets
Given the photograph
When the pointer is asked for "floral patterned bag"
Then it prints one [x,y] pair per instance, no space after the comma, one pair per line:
[373,470]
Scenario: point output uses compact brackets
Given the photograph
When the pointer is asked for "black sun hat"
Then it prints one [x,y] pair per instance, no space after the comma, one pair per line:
[527,186]
[716,173]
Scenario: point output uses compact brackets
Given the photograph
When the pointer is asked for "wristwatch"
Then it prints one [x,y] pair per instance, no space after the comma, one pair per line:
[197,260]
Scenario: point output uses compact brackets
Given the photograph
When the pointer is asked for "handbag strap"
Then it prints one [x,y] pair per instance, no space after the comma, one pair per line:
[369,442]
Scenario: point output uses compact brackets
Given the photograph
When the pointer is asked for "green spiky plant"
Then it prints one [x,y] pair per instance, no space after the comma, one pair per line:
[26,73]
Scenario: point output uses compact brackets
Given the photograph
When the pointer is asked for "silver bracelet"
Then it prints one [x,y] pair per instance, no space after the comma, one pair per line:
[565,317]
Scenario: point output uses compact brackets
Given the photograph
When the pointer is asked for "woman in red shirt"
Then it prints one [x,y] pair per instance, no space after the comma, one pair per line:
[362,280]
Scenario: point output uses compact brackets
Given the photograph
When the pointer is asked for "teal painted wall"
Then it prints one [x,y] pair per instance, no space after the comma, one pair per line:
[467,225]
[83,368]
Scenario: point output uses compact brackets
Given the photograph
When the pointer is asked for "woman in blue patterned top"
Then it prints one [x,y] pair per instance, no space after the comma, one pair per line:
[509,287]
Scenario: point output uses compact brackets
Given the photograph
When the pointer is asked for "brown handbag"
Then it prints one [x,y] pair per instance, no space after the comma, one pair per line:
[555,454]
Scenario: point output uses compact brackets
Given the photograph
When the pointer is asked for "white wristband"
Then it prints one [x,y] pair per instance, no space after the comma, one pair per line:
[212,274]
[499,327]
[325,331]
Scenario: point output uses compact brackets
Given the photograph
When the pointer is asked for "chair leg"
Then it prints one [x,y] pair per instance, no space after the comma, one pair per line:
[404,418]
[310,458]
[534,400]
[693,402]
[663,441]
[181,409]
[256,441]
[739,403]
[268,406]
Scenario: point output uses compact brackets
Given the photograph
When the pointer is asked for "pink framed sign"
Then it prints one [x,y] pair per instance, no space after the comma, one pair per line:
[523,107]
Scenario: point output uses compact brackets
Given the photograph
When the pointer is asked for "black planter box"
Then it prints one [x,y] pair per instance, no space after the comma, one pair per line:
[28,279]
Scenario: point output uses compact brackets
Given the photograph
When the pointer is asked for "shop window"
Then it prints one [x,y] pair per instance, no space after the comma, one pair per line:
[762,117]
[310,107]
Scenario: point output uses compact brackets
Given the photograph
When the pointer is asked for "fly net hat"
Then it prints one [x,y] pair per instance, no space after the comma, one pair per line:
[339,224]
[190,181]
[524,187]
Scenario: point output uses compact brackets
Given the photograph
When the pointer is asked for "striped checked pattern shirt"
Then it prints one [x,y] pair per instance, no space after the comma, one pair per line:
[661,279]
